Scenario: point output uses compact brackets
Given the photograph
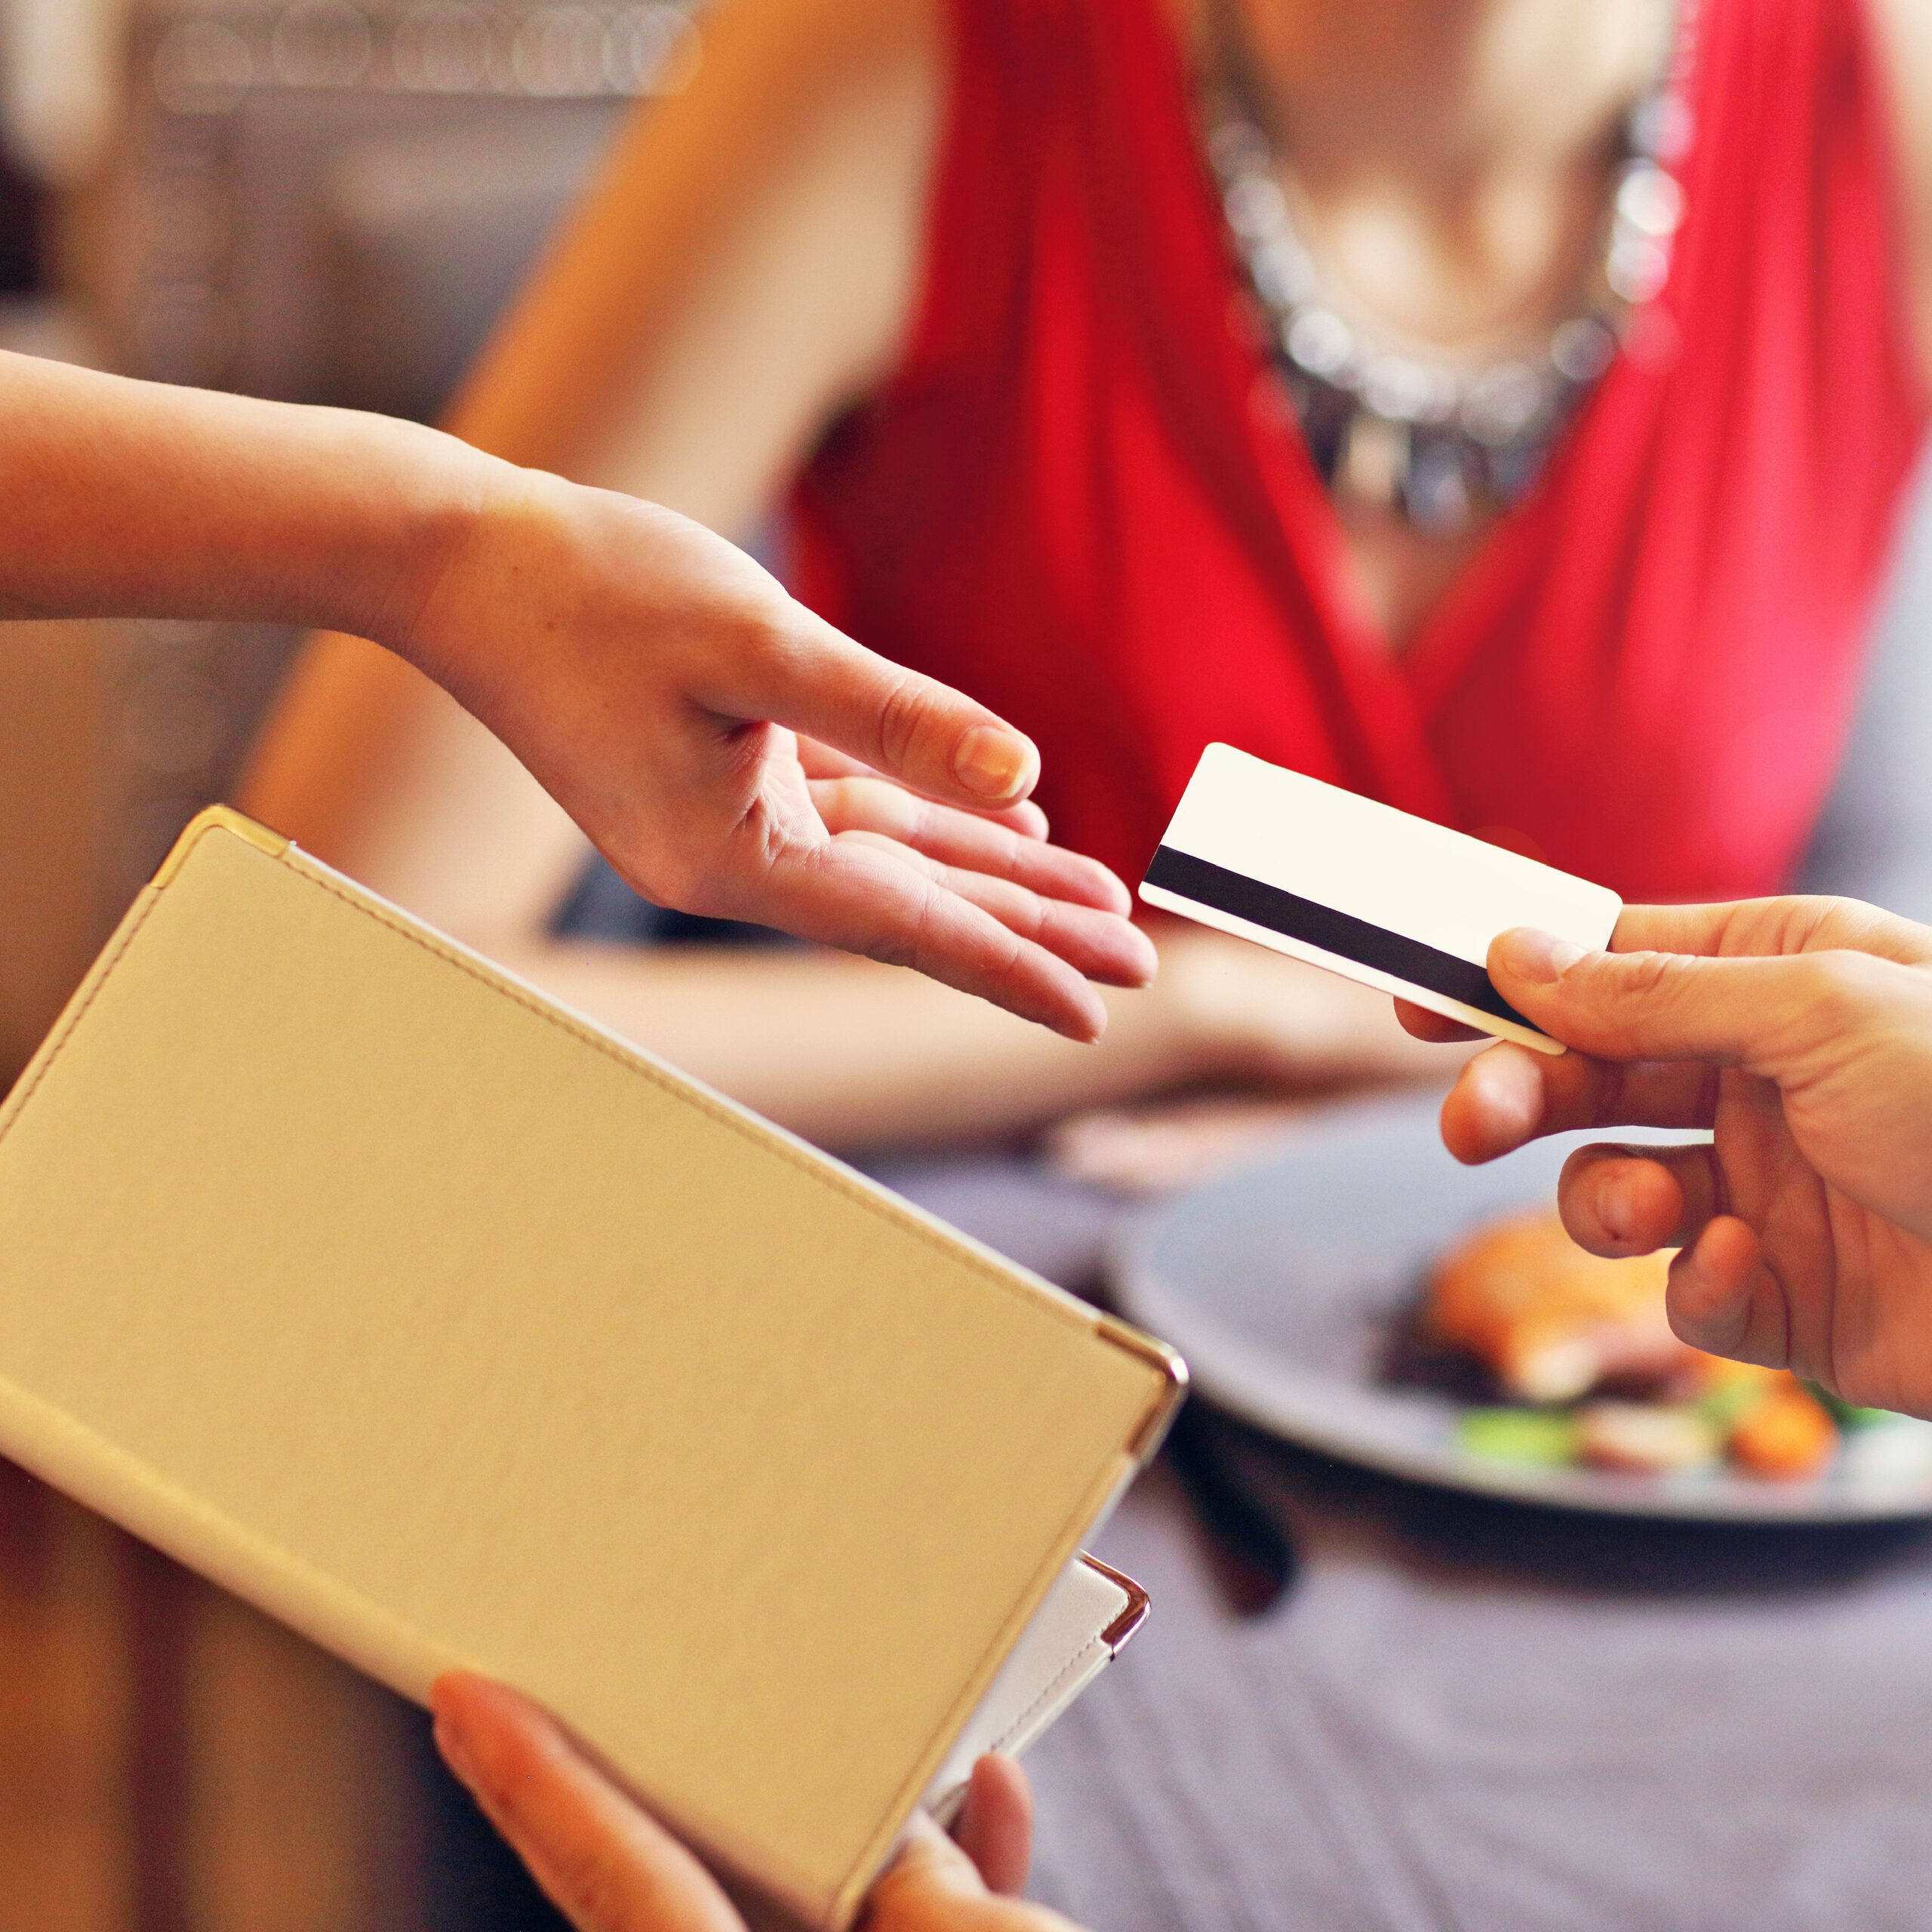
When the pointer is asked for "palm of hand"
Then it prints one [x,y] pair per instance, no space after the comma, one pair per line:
[668,694]
[1838,1281]
[1828,1286]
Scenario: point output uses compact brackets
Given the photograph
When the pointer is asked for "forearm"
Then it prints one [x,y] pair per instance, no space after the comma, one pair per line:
[128,499]
[852,1054]
[790,179]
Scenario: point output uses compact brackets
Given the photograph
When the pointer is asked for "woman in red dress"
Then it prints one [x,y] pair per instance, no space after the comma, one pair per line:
[1500,409]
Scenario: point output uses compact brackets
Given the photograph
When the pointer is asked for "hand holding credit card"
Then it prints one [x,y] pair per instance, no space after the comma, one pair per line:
[1363,889]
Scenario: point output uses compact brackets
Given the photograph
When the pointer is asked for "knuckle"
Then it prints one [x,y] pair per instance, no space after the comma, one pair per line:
[768,642]
[1796,921]
[917,821]
[893,949]
[1037,918]
[844,803]
[770,625]
[1647,976]
[1818,916]
[1019,911]
[1008,851]
[903,714]
[907,942]
[1841,987]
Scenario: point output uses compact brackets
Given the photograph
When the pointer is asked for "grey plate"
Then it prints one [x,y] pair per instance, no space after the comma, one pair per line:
[1279,1283]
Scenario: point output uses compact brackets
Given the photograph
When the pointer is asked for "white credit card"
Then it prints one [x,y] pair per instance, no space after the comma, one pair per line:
[1362,889]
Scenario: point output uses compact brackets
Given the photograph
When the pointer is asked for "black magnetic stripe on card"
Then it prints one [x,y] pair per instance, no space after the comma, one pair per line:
[1316,925]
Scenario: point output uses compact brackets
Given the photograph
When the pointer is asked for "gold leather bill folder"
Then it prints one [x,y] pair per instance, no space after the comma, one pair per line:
[442,1324]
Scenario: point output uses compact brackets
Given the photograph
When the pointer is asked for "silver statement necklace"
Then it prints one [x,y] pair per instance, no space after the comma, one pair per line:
[1440,446]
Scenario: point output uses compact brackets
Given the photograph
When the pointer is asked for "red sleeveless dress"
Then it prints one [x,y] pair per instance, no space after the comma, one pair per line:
[1084,498]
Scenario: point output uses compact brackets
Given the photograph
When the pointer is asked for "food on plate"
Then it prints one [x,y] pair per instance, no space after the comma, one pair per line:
[1521,1435]
[1551,1321]
[1647,1436]
[1788,1435]
[1583,1367]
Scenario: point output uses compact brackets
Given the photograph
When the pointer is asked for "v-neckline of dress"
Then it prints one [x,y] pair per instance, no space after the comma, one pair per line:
[1424,669]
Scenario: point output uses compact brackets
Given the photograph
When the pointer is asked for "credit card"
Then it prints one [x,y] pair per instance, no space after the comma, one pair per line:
[1362,889]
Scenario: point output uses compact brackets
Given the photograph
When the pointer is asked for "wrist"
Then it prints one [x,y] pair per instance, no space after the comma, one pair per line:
[126,498]
[440,500]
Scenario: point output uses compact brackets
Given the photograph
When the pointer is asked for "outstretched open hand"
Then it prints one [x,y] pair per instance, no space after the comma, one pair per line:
[1799,1031]
[734,755]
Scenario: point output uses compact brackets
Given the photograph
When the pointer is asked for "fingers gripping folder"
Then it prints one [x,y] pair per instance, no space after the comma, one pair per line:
[442,1324]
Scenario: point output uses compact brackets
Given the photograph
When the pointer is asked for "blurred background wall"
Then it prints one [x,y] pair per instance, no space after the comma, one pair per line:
[325,202]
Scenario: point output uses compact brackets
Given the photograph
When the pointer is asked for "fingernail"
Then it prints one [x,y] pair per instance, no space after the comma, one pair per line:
[1540,957]
[993,761]
[456,1752]
[1616,1206]
[1086,1031]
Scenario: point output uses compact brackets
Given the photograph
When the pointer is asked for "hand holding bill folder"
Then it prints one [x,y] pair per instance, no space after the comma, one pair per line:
[462,1337]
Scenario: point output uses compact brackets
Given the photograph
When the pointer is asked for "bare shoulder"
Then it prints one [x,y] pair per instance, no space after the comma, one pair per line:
[1903,25]
[1902,29]
[839,31]
[783,85]
[796,164]
[742,267]
[792,58]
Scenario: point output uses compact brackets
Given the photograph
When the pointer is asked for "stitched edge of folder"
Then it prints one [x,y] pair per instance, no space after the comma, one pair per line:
[130,1477]
[1046,1697]
[116,1483]
[852,1889]
[293,860]
[1071,1668]
[63,1029]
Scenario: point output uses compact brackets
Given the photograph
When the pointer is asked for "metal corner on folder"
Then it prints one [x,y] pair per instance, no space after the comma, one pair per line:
[1172,1369]
[219,818]
[1133,1613]
[1138,1342]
